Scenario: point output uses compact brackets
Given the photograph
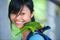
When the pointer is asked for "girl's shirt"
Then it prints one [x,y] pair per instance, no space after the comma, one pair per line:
[37,35]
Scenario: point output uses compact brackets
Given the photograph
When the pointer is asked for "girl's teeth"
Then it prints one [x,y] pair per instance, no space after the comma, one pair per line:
[19,22]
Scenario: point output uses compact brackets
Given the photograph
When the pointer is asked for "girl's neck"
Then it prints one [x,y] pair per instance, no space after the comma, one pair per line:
[25,34]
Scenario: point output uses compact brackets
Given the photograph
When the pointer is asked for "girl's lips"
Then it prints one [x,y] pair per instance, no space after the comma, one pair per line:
[19,24]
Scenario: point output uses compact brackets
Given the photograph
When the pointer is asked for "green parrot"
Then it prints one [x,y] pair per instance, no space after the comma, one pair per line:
[30,26]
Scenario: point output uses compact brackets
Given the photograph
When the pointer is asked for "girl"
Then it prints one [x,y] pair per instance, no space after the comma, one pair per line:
[20,13]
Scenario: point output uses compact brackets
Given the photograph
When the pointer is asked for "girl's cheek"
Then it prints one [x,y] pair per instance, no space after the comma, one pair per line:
[12,19]
[27,18]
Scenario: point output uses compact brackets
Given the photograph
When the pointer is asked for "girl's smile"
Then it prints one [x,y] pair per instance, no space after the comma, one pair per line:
[19,24]
[22,17]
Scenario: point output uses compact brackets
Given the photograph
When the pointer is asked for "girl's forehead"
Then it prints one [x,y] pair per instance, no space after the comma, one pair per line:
[24,9]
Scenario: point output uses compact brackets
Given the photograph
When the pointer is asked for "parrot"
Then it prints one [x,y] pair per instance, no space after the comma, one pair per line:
[32,26]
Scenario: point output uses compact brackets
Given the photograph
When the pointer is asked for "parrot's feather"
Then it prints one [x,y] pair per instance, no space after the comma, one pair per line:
[31,25]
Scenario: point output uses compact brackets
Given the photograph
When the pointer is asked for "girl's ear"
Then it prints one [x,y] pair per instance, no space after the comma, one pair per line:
[32,14]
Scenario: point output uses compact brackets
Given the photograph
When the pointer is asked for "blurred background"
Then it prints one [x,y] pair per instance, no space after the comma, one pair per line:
[47,12]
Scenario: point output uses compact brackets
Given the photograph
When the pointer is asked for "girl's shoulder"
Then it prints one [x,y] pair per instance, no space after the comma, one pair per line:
[37,35]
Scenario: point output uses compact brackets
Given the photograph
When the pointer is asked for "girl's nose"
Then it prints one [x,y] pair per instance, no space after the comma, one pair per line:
[19,17]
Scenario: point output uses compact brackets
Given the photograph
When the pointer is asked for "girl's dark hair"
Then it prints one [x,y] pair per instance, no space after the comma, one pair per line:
[15,6]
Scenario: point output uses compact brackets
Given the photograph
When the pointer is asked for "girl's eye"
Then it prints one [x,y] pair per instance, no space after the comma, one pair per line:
[13,14]
[23,14]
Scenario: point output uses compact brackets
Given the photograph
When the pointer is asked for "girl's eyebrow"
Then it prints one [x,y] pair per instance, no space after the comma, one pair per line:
[20,10]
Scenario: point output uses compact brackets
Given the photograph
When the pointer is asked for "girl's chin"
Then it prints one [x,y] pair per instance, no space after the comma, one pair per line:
[20,27]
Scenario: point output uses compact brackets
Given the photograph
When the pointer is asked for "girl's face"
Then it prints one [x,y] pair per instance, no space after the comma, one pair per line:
[22,17]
